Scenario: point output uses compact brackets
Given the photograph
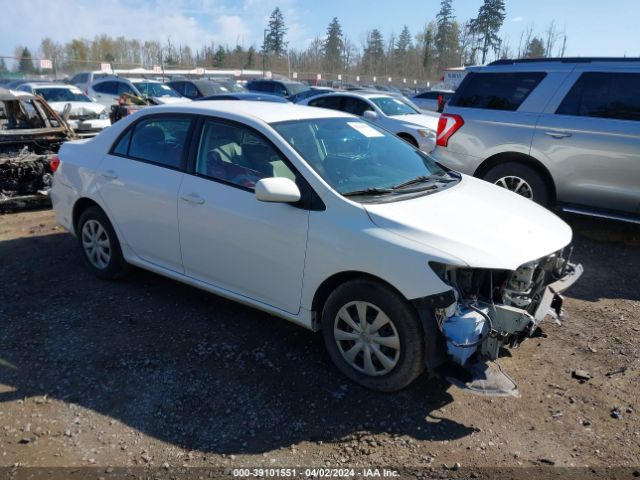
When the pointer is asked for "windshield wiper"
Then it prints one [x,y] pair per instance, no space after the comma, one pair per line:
[368,191]
[422,179]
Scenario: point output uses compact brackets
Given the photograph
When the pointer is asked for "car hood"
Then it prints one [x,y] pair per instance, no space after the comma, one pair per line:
[78,108]
[428,121]
[169,100]
[483,225]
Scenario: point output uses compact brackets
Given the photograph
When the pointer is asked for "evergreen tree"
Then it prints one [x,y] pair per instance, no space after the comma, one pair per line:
[487,25]
[26,63]
[3,67]
[535,49]
[404,42]
[373,55]
[444,35]
[333,46]
[274,41]
[219,57]
[251,57]
[430,51]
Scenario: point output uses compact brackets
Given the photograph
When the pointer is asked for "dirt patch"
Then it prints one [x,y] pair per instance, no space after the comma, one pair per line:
[150,372]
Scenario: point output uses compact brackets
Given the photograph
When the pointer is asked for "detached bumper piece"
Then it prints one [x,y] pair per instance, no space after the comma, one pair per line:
[551,302]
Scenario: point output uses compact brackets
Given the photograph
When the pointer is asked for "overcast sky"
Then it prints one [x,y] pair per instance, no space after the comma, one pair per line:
[593,27]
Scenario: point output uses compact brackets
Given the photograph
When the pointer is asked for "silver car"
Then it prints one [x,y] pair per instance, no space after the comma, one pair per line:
[562,132]
[432,100]
[395,114]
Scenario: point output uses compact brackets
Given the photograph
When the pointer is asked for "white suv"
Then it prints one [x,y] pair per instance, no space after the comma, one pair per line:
[322,219]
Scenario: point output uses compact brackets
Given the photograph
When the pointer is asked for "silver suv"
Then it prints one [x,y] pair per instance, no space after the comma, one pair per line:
[562,132]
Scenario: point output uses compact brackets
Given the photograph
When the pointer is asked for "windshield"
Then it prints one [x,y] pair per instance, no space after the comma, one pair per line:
[151,89]
[352,155]
[234,87]
[392,106]
[296,87]
[61,94]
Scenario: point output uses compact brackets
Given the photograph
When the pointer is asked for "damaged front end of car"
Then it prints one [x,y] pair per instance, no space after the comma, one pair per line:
[486,310]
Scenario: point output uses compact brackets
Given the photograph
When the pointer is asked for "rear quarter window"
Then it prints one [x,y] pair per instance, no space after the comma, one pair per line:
[612,95]
[496,91]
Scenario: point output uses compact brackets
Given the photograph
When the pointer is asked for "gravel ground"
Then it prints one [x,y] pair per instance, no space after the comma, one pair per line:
[149,372]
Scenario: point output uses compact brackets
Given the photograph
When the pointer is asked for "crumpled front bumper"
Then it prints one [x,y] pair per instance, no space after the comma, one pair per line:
[551,302]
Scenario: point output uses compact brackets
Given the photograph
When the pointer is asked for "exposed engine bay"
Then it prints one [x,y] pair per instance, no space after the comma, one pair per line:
[494,308]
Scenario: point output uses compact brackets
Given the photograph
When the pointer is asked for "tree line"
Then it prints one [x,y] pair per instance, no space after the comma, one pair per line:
[444,42]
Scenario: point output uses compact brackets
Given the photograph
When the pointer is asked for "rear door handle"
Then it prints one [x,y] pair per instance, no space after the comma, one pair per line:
[558,134]
[110,175]
[193,199]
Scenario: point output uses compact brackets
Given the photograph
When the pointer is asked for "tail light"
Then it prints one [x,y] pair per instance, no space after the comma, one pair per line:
[54,162]
[440,103]
[448,124]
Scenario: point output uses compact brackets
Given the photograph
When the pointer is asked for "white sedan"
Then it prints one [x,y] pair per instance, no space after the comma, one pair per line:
[388,111]
[322,219]
[86,117]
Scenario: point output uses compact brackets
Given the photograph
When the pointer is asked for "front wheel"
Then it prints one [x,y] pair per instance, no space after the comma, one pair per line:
[522,179]
[373,335]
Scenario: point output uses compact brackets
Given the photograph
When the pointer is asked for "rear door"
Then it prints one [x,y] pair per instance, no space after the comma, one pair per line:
[590,136]
[106,92]
[231,240]
[139,182]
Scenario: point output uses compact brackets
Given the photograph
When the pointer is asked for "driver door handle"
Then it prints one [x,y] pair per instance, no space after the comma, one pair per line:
[558,134]
[193,199]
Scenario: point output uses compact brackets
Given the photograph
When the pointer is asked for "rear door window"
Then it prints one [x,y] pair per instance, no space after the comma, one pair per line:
[496,91]
[109,88]
[159,140]
[332,102]
[604,95]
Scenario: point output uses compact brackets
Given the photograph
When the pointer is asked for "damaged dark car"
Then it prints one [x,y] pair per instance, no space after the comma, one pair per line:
[31,133]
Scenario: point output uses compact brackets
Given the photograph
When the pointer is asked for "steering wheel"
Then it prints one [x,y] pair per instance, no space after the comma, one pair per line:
[246,180]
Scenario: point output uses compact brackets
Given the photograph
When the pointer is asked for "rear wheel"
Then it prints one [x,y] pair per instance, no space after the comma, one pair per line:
[522,179]
[373,335]
[100,246]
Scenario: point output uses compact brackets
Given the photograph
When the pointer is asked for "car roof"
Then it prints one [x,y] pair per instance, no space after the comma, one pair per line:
[49,85]
[359,94]
[268,112]
[142,80]
[246,96]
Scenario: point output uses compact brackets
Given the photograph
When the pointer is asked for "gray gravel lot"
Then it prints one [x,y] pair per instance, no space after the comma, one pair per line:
[151,372]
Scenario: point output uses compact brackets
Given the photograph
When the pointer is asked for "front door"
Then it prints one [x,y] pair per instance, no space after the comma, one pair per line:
[228,238]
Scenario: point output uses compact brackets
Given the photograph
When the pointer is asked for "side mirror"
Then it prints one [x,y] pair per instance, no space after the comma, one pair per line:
[277,189]
[370,115]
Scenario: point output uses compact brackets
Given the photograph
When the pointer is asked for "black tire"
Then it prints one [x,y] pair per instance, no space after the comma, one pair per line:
[116,267]
[539,189]
[410,358]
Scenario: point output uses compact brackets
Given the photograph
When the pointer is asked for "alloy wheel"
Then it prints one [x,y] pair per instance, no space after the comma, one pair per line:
[367,339]
[96,244]
[516,185]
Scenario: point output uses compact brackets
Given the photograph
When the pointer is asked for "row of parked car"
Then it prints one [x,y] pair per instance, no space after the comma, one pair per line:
[540,128]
